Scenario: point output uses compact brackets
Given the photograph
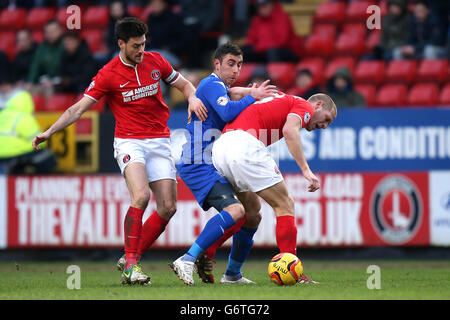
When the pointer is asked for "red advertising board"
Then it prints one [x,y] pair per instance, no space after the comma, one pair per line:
[350,209]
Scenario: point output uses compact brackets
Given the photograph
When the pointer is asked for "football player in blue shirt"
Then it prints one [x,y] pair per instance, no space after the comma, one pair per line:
[209,188]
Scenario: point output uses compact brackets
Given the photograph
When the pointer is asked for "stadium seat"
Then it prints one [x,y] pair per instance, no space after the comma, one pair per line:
[370,71]
[349,44]
[281,73]
[401,71]
[245,74]
[39,102]
[37,17]
[8,43]
[96,17]
[318,45]
[432,70]
[12,19]
[372,40]
[94,39]
[338,62]
[135,11]
[37,35]
[368,91]
[356,11]
[357,29]
[423,94]
[330,12]
[315,65]
[444,96]
[329,30]
[389,95]
[59,102]
[62,15]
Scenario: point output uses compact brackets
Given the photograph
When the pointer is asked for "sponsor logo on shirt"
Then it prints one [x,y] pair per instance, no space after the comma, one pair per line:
[222,101]
[141,92]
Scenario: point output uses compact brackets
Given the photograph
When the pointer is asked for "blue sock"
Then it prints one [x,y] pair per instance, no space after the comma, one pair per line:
[212,231]
[242,243]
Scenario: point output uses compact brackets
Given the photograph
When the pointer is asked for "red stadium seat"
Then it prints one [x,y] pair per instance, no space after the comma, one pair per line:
[423,94]
[444,96]
[349,44]
[8,43]
[12,19]
[401,71]
[94,39]
[282,74]
[62,15]
[368,91]
[37,17]
[357,29]
[329,30]
[60,102]
[370,71]
[315,65]
[432,70]
[372,40]
[330,12]
[318,45]
[95,17]
[391,95]
[39,102]
[357,11]
[245,74]
[37,35]
[135,11]
[338,62]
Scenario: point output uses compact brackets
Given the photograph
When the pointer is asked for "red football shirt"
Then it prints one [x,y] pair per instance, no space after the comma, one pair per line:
[265,119]
[134,95]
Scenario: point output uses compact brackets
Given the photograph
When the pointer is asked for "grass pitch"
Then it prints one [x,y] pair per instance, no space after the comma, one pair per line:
[338,280]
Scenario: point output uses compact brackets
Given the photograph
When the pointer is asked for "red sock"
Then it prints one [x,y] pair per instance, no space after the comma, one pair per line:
[211,251]
[286,234]
[151,230]
[132,227]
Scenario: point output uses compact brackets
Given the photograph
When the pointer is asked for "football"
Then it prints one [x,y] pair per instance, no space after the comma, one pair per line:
[285,269]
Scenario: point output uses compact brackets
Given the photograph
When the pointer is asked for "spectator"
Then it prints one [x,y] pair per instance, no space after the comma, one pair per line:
[18,128]
[426,38]
[305,85]
[394,29]
[25,52]
[340,89]
[77,64]
[200,17]
[117,11]
[166,34]
[259,75]
[44,70]
[271,36]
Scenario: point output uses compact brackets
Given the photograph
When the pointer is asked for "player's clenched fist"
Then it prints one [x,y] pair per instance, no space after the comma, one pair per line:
[39,139]
[313,180]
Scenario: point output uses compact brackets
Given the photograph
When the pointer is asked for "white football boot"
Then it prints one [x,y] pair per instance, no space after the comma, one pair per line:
[184,270]
[243,280]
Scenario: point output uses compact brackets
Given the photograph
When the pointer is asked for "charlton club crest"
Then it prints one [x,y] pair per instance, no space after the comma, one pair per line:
[126,158]
[156,75]
[396,209]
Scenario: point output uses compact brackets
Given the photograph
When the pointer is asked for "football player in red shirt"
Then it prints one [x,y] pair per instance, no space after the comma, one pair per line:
[131,84]
[240,155]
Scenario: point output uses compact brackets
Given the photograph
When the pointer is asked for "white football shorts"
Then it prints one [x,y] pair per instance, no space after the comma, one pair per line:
[155,153]
[245,162]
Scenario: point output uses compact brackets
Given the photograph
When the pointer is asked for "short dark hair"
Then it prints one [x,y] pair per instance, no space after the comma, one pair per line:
[227,48]
[129,27]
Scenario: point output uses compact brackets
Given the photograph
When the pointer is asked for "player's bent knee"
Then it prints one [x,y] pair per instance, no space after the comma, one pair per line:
[236,211]
[168,210]
[141,199]
[253,220]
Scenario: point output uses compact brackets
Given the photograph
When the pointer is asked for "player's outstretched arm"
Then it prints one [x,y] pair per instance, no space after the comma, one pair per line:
[72,114]
[195,104]
[258,92]
[291,133]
